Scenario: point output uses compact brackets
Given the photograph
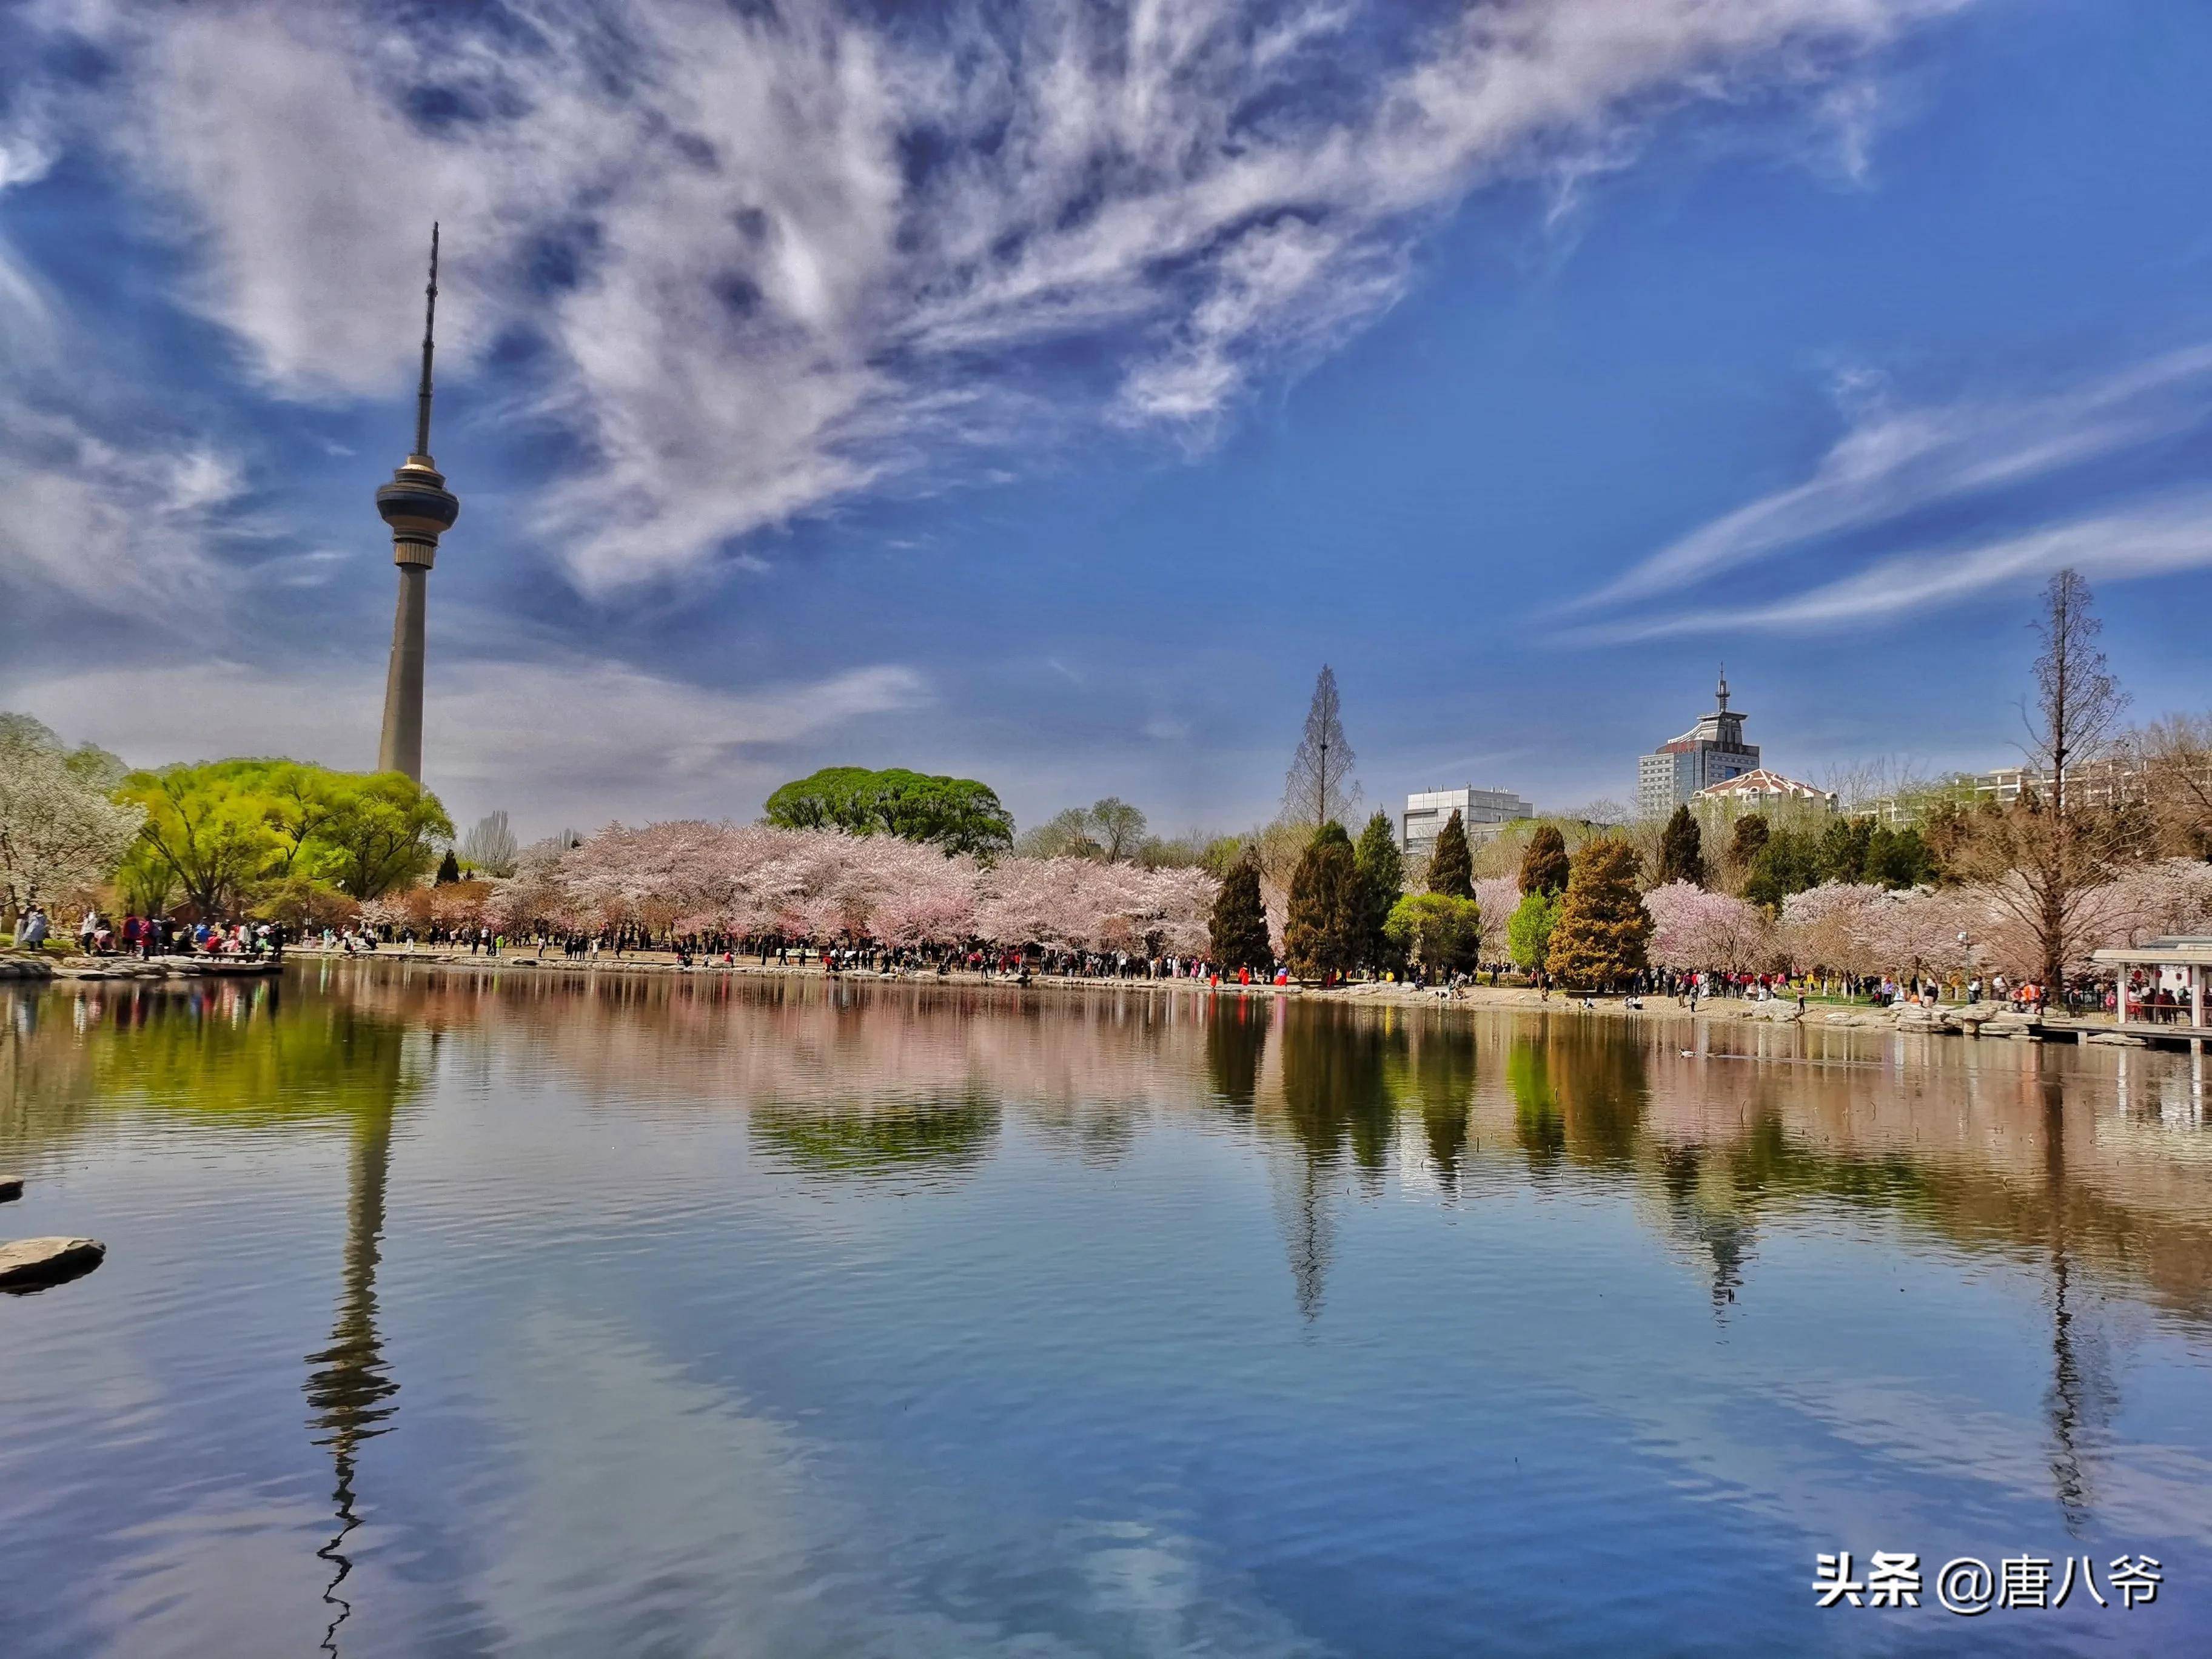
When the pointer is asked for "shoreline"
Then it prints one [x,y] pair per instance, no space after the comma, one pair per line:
[1977,1020]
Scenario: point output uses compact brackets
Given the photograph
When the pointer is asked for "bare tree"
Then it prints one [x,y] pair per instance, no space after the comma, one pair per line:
[1118,827]
[2175,757]
[2050,857]
[1863,786]
[491,846]
[1320,788]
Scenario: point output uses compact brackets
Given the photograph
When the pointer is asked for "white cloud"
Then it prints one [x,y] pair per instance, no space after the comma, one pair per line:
[119,528]
[119,524]
[579,740]
[2153,539]
[1894,461]
[777,305]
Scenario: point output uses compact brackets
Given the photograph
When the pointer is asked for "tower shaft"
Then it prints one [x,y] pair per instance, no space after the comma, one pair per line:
[401,748]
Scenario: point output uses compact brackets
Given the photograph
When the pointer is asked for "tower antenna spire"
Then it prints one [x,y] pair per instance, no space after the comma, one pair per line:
[429,318]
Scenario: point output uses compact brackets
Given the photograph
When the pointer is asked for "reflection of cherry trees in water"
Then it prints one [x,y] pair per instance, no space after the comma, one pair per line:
[2013,1152]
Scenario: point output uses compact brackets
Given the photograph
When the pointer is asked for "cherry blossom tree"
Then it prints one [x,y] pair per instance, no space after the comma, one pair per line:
[1694,928]
[755,880]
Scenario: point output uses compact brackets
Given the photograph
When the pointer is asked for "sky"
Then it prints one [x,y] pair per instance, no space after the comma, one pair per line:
[1043,392]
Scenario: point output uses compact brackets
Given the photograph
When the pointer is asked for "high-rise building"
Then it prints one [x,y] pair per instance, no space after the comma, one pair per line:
[1711,752]
[1482,812]
[419,508]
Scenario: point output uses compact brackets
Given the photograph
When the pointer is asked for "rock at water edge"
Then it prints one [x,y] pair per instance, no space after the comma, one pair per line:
[26,1263]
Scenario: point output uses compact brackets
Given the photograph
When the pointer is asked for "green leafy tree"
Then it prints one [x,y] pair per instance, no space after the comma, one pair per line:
[1238,933]
[1451,868]
[210,826]
[301,903]
[1544,868]
[1682,850]
[1846,846]
[1603,926]
[957,814]
[1440,932]
[1528,931]
[1222,856]
[1788,861]
[1381,879]
[223,829]
[1321,936]
[384,831]
[1899,858]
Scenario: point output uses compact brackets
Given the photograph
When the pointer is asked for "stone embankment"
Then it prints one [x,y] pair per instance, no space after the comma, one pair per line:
[24,966]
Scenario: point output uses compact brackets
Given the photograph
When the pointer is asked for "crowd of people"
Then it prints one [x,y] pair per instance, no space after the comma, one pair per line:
[147,937]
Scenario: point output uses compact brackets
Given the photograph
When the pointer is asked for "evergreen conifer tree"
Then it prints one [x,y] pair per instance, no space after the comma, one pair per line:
[1321,936]
[1544,866]
[1682,850]
[449,868]
[1451,868]
[1382,878]
[1751,834]
[1239,930]
[1600,937]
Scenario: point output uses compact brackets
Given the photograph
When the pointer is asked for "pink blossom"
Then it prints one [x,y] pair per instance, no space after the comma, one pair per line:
[1694,928]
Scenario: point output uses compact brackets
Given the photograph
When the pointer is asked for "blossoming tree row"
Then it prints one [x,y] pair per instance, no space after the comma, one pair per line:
[756,881]
[1855,927]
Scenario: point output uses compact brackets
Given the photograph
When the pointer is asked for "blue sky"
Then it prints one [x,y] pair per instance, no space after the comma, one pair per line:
[1044,394]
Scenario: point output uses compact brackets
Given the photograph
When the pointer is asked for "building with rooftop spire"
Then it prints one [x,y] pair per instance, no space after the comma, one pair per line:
[419,508]
[1711,752]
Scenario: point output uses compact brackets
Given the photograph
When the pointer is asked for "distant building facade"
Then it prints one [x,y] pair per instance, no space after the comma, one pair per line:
[2111,780]
[1758,788]
[1482,812]
[1710,752]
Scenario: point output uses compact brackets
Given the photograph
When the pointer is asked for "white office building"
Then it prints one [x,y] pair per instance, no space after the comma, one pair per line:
[1482,812]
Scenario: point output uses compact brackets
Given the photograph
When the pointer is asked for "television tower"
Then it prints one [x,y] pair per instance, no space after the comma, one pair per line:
[419,508]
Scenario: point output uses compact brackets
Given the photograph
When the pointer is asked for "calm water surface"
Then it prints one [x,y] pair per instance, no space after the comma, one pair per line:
[457,1314]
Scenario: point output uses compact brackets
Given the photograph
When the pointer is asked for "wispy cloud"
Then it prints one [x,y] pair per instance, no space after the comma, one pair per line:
[1893,461]
[2164,536]
[781,254]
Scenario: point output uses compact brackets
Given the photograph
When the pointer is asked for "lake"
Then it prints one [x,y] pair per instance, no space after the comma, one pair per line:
[530,1312]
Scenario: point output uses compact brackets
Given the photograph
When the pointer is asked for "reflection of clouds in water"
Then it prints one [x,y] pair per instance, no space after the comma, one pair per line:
[218,1578]
[650,1510]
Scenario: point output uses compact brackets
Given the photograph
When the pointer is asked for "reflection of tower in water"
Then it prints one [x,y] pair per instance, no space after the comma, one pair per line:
[350,1389]
[2081,1398]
